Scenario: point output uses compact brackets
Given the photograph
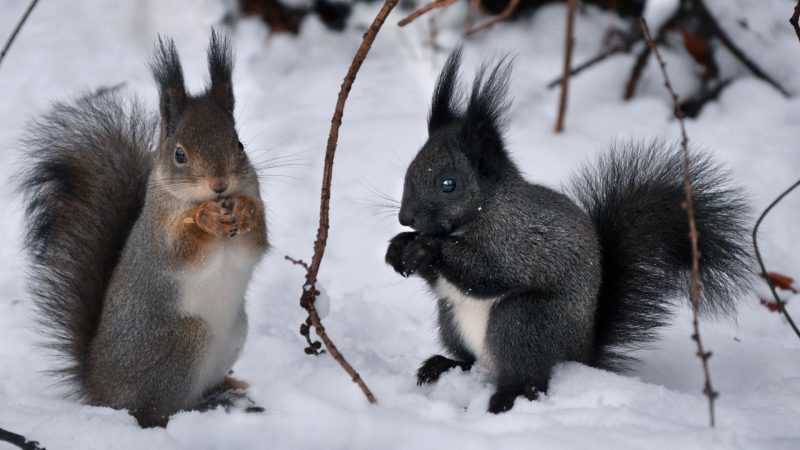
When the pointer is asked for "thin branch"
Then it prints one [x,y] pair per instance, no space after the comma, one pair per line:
[568,43]
[778,301]
[16,30]
[19,441]
[636,72]
[428,7]
[611,50]
[795,19]
[310,293]
[297,262]
[737,52]
[644,55]
[504,14]
[305,328]
[696,286]
[694,104]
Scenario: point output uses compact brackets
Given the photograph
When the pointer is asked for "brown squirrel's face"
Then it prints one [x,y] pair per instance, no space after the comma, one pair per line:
[200,156]
[203,159]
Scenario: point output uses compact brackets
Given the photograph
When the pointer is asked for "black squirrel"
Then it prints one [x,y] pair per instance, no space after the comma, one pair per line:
[142,249]
[526,276]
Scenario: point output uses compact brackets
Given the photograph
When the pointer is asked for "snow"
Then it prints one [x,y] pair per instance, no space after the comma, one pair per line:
[286,88]
[657,12]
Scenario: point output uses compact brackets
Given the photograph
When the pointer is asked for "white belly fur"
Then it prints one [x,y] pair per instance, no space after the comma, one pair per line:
[471,316]
[214,291]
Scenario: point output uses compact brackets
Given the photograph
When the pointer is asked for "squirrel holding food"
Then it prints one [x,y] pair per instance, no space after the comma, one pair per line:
[142,246]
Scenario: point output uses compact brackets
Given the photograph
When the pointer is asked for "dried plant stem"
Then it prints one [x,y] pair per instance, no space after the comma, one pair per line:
[636,72]
[19,441]
[611,50]
[723,37]
[795,19]
[425,8]
[16,30]
[310,293]
[781,305]
[695,286]
[305,328]
[568,43]
[644,56]
[778,301]
[297,262]
[504,14]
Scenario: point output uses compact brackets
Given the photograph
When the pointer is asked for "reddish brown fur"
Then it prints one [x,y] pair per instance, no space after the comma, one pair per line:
[194,230]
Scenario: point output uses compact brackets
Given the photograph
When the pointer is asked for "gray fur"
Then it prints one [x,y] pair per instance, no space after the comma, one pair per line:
[566,282]
[113,255]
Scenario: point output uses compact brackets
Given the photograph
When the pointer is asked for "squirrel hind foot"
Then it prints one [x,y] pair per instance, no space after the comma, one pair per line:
[503,399]
[150,419]
[436,365]
[229,395]
[231,383]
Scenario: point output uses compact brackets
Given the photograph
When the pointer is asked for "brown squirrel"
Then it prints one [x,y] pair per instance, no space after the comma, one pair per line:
[141,257]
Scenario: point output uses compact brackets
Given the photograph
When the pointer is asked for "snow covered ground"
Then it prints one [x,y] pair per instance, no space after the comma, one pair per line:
[286,88]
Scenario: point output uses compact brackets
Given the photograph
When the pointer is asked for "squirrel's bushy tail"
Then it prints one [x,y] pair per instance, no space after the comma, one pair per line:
[84,180]
[634,196]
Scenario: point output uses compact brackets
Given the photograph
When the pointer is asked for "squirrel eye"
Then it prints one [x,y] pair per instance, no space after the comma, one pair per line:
[240,146]
[448,185]
[180,156]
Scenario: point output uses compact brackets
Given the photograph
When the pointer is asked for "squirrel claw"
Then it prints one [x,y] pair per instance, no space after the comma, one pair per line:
[213,219]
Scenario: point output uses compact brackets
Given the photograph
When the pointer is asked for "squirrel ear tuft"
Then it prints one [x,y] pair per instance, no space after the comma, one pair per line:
[446,93]
[220,66]
[166,67]
[485,118]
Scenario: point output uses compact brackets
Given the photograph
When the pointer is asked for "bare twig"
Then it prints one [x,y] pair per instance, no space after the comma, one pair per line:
[696,286]
[297,262]
[19,441]
[310,293]
[795,19]
[305,328]
[636,72]
[693,105]
[778,301]
[644,56]
[737,52]
[504,14]
[425,8]
[611,50]
[568,42]
[16,30]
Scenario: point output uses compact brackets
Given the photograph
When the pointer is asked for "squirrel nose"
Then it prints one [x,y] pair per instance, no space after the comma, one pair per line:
[219,185]
[406,218]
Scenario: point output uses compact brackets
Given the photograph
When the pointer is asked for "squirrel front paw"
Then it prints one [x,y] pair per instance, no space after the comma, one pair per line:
[216,220]
[245,212]
[411,252]
[420,254]
[394,254]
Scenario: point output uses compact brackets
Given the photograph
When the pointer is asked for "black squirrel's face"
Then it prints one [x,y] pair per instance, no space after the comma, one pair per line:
[204,160]
[442,192]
